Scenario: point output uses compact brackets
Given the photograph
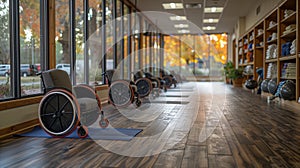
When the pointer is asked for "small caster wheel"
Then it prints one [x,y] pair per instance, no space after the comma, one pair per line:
[82,131]
[138,103]
[165,89]
[103,123]
[175,85]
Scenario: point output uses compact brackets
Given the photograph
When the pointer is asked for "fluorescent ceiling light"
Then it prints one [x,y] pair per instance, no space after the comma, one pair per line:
[172,5]
[213,10]
[183,31]
[210,20]
[209,28]
[181,25]
[177,17]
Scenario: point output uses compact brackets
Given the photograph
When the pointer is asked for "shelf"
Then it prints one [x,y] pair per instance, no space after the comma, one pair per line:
[273,28]
[272,41]
[271,60]
[260,36]
[290,19]
[259,47]
[286,58]
[250,63]
[288,78]
[291,35]
[242,64]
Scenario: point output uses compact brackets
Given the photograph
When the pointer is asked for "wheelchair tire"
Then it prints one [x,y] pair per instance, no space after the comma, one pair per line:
[144,87]
[82,131]
[59,113]
[104,123]
[120,93]
[168,80]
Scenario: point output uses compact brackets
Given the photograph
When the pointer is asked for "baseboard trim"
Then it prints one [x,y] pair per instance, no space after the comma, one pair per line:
[9,131]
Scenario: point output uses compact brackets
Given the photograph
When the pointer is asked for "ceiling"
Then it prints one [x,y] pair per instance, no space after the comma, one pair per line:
[233,9]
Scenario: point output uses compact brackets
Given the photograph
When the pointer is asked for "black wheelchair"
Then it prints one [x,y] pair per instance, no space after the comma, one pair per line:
[147,84]
[169,78]
[64,108]
[121,93]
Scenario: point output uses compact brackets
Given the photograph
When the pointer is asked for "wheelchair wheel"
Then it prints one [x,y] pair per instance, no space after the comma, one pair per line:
[121,93]
[82,131]
[59,113]
[144,87]
[168,80]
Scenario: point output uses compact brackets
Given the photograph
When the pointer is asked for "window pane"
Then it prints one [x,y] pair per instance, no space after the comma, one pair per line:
[30,46]
[126,37]
[4,50]
[109,34]
[62,34]
[94,26]
[79,39]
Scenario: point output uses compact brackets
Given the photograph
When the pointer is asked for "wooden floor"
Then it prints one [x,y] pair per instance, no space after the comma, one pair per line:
[215,125]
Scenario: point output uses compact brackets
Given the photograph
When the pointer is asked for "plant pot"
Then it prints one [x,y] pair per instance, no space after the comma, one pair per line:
[237,82]
[227,80]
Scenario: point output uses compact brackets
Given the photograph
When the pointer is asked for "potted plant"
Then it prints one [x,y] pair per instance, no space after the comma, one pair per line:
[227,68]
[236,75]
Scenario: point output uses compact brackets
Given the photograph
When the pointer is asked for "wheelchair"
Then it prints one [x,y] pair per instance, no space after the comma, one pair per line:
[169,78]
[121,93]
[64,108]
[146,84]
[161,84]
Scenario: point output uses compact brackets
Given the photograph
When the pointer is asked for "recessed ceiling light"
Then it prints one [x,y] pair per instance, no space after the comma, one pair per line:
[181,25]
[213,10]
[172,5]
[177,17]
[183,31]
[210,20]
[209,28]
[193,5]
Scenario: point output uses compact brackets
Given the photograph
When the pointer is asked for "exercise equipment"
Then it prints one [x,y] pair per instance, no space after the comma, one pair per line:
[272,86]
[264,85]
[65,108]
[287,91]
[251,84]
[121,92]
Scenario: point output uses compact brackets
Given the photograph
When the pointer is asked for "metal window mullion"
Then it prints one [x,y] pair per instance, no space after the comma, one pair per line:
[103,35]
[86,36]
[161,49]
[122,39]
[44,36]
[15,48]
[114,25]
[129,44]
[150,50]
[72,40]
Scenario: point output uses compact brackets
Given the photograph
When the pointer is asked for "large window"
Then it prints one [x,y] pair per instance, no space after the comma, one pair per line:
[203,55]
[5,89]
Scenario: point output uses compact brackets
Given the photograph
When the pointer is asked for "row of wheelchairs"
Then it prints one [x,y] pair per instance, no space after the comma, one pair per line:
[66,108]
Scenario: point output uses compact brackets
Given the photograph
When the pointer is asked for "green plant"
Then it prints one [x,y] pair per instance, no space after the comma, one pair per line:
[228,67]
[235,73]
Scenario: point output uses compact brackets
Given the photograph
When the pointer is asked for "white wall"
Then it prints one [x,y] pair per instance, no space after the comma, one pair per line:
[266,6]
[18,115]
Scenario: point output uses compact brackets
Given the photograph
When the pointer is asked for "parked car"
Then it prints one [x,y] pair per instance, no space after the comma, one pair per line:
[28,70]
[65,67]
[4,70]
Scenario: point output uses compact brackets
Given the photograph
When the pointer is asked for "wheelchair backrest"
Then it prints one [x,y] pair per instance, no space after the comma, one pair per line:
[56,78]
[109,74]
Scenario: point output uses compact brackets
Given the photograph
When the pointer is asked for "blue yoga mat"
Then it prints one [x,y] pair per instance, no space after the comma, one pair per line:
[124,134]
